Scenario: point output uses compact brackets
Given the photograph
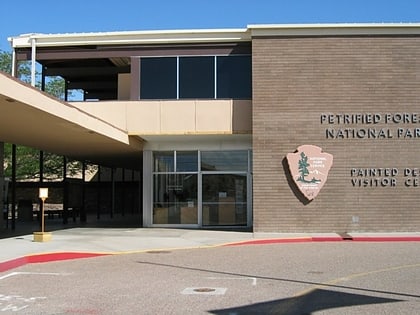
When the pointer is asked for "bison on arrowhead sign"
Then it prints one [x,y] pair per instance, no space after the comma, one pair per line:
[309,167]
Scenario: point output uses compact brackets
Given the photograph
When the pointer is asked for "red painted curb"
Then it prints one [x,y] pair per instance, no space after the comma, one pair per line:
[386,239]
[41,258]
[329,239]
[14,263]
[288,240]
[60,256]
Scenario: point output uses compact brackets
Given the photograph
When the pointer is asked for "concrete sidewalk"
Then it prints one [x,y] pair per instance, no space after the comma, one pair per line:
[86,241]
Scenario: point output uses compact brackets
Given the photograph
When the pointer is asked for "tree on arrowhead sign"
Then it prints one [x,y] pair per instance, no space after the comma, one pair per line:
[309,167]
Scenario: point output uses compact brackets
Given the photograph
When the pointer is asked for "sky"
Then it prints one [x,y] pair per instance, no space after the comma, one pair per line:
[79,16]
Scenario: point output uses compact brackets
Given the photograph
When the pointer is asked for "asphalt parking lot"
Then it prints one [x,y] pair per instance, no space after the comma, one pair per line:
[296,278]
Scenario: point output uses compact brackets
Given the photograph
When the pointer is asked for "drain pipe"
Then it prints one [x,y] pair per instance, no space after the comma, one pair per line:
[33,60]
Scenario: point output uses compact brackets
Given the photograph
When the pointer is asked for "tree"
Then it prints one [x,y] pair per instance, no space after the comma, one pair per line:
[27,159]
[5,62]
[24,68]
[54,86]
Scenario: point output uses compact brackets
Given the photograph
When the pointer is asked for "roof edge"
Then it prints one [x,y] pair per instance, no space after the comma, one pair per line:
[212,35]
[132,37]
[334,29]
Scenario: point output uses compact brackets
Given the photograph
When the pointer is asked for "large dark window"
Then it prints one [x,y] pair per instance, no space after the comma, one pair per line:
[158,78]
[196,77]
[234,77]
[224,161]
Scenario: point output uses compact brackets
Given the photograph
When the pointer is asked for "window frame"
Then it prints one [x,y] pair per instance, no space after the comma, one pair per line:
[215,74]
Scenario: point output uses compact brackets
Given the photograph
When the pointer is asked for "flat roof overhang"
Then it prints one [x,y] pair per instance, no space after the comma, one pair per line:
[335,29]
[194,36]
[32,118]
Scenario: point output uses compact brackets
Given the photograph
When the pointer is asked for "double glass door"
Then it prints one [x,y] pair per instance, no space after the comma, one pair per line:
[224,199]
[198,195]
[175,200]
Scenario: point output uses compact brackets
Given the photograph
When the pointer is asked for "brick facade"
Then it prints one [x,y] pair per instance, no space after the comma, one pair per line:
[296,80]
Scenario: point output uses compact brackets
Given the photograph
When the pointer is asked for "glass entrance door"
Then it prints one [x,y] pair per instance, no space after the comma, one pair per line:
[224,199]
[207,188]
[175,199]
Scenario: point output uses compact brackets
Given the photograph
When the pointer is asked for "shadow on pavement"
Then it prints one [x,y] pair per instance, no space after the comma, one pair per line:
[316,300]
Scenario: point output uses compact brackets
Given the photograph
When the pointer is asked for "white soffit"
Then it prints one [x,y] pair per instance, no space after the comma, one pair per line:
[345,29]
[132,37]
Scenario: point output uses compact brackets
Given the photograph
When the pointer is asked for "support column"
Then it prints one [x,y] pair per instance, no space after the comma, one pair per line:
[65,192]
[83,216]
[147,188]
[43,79]
[2,187]
[112,192]
[33,61]
[123,192]
[13,186]
[98,213]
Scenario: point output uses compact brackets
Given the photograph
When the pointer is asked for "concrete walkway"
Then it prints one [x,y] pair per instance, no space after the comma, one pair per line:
[104,240]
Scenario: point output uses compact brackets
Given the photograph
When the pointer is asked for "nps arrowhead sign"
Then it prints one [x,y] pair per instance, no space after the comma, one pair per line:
[309,167]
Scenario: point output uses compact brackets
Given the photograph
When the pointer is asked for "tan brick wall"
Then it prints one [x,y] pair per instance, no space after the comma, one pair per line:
[295,80]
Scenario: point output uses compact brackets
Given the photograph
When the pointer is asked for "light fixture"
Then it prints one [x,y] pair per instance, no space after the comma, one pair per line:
[43,193]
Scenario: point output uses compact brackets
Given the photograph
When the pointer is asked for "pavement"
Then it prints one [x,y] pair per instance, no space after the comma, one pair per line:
[71,242]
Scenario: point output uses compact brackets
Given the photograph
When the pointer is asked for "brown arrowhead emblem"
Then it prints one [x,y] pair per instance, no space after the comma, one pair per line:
[309,167]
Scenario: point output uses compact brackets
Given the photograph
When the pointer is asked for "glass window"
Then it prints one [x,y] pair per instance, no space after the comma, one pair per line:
[224,161]
[186,161]
[224,199]
[234,77]
[158,79]
[196,77]
[175,199]
[164,161]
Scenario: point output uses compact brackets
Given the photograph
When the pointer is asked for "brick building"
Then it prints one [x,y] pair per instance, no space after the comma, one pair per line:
[210,116]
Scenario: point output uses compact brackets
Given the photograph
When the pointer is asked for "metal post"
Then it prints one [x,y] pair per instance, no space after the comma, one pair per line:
[14,64]
[83,215]
[112,192]
[33,61]
[2,183]
[99,187]
[13,186]
[65,192]
[42,215]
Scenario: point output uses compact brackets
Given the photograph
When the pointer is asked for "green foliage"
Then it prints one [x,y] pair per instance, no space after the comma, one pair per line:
[5,62]
[27,159]
[54,86]
[27,164]
[24,67]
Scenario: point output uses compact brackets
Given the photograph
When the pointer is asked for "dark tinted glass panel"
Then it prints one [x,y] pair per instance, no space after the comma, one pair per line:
[234,77]
[175,199]
[164,161]
[224,161]
[158,78]
[196,77]
[224,199]
[186,161]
